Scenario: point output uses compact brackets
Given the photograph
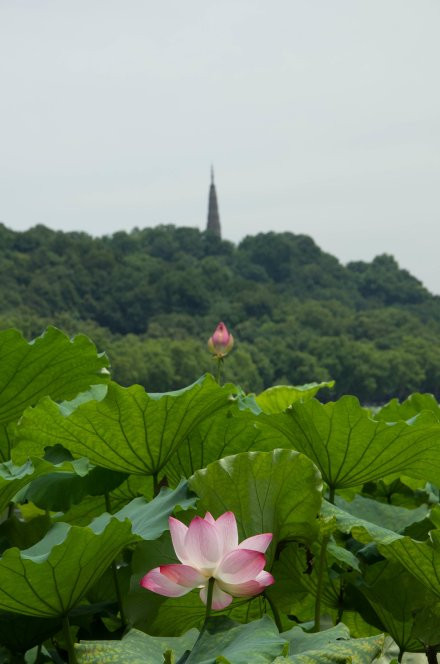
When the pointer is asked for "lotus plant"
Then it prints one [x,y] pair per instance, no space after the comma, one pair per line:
[212,560]
[220,344]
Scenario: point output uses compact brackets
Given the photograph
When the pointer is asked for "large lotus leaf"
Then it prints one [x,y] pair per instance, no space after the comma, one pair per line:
[350,448]
[392,517]
[14,531]
[329,647]
[92,506]
[352,651]
[224,640]
[421,559]
[20,633]
[277,492]
[129,430]
[361,625]
[51,365]
[395,595]
[59,491]
[149,519]
[14,478]
[362,530]
[135,648]
[301,641]
[426,626]
[278,398]
[405,410]
[227,642]
[294,590]
[51,577]
[228,432]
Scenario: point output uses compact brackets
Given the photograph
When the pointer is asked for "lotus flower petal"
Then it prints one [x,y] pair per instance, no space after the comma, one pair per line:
[178,532]
[248,588]
[257,542]
[240,565]
[184,575]
[162,585]
[220,599]
[202,545]
[227,531]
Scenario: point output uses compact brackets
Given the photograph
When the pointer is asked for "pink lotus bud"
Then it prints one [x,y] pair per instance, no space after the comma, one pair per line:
[208,548]
[221,341]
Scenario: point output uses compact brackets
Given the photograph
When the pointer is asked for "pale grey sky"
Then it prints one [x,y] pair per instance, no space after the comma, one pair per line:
[320,116]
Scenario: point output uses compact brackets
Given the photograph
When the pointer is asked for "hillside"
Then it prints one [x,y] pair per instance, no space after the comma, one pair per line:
[152,297]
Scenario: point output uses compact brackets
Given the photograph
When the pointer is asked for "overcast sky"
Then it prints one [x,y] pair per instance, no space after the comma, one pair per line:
[320,116]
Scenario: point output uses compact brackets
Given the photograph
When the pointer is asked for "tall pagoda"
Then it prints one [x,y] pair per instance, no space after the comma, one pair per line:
[213,225]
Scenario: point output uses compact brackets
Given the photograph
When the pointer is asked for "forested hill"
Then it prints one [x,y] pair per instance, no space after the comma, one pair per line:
[152,297]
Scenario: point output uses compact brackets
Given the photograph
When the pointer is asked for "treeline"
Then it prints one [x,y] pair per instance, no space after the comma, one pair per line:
[152,297]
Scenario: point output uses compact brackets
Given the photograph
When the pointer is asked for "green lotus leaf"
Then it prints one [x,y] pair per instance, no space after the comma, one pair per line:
[330,647]
[300,641]
[20,633]
[227,642]
[278,398]
[135,648]
[51,365]
[362,530]
[395,410]
[149,519]
[421,559]
[129,430]
[60,490]
[277,492]
[395,595]
[426,627]
[51,577]
[14,478]
[228,432]
[14,531]
[392,517]
[224,641]
[294,590]
[350,448]
[343,556]
[92,506]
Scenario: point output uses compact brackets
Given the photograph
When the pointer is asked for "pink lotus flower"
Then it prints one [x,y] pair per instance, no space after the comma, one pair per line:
[221,341]
[209,548]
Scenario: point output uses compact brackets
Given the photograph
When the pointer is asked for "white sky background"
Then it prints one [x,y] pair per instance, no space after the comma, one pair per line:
[320,116]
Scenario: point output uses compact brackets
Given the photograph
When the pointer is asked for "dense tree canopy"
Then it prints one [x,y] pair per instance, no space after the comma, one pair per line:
[152,297]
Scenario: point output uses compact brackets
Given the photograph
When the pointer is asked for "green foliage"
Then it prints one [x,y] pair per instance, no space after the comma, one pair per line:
[97,469]
[51,577]
[51,365]
[350,448]
[152,297]
[277,399]
[277,492]
[396,595]
[332,645]
[135,648]
[128,430]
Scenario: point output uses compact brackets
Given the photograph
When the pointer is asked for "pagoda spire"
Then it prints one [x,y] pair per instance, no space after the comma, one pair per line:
[213,225]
